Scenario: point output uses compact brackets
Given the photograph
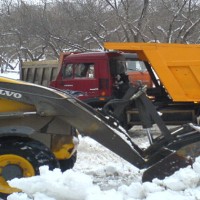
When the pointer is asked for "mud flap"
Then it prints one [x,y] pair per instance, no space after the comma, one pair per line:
[166,167]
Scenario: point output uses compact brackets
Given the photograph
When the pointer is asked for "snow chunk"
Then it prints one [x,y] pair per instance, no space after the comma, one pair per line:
[180,180]
[56,184]
[135,190]
[149,187]
[196,165]
[167,195]
[105,195]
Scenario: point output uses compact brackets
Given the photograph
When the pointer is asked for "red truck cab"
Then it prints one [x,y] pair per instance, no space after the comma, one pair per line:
[91,76]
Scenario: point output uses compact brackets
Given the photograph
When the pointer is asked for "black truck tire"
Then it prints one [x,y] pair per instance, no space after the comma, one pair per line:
[22,157]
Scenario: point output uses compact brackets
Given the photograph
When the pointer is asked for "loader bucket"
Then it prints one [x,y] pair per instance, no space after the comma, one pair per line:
[181,158]
[165,167]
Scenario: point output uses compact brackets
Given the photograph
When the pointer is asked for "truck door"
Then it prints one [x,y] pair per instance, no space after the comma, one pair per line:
[81,79]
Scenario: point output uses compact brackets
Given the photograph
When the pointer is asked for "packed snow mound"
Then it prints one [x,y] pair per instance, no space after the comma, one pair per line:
[75,185]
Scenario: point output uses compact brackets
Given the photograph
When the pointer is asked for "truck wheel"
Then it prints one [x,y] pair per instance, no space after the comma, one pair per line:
[22,157]
[68,163]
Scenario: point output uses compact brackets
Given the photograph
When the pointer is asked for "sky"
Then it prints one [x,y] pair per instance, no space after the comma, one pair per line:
[101,175]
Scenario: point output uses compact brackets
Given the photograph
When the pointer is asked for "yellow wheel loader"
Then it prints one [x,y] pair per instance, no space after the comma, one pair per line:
[31,134]
[38,127]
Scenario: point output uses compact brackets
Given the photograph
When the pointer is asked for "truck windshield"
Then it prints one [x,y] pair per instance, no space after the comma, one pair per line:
[135,65]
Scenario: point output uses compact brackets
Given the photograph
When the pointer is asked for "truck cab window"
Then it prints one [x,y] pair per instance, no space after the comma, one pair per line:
[84,70]
[68,71]
[90,71]
[78,70]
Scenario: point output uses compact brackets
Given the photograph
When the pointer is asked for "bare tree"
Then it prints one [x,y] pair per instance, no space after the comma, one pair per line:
[132,17]
[175,20]
[42,31]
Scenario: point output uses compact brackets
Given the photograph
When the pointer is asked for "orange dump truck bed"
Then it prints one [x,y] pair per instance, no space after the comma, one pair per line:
[176,65]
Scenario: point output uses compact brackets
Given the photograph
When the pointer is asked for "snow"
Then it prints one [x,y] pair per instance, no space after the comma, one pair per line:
[99,174]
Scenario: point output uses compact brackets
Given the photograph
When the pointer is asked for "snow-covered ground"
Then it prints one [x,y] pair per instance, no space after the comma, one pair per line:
[101,175]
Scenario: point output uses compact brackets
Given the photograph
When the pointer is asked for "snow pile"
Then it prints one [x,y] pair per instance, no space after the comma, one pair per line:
[106,177]
[56,184]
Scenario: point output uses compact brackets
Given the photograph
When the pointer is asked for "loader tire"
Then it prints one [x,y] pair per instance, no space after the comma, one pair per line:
[68,163]
[22,157]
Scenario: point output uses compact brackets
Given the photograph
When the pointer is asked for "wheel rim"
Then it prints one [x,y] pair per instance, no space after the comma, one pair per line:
[13,166]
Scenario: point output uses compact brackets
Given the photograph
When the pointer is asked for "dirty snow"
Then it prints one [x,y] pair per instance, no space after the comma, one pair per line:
[99,174]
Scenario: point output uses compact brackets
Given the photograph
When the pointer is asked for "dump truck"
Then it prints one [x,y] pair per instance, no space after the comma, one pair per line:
[40,125]
[91,77]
